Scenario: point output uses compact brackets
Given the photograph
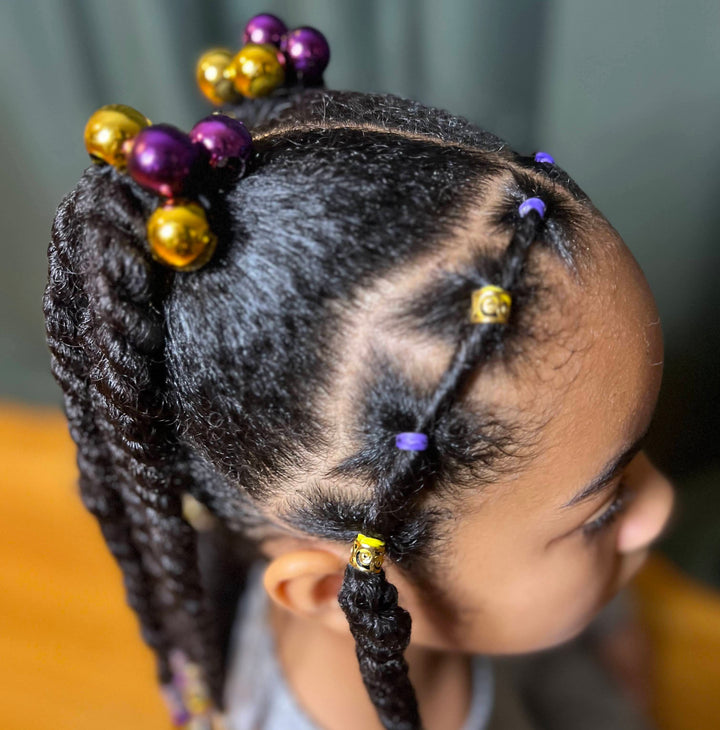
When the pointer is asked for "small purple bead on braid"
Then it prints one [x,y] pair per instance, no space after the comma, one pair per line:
[411,441]
[532,204]
[544,157]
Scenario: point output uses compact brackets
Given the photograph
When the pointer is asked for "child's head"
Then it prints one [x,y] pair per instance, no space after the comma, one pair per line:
[271,383]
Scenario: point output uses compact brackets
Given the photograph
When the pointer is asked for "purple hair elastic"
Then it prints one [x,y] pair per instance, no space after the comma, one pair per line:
[544,157]
[179,714]
[532,204]
[411,441]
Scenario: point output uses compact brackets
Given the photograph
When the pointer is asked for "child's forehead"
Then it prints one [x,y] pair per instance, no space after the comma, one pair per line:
[585,362]
[592,388]
[578,380]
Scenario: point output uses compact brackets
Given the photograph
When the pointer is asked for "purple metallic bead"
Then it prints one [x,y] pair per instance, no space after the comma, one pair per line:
[308,52]
[162,158]
[264,28]
[411,441]
[532,204]
[544,157]
[225,138]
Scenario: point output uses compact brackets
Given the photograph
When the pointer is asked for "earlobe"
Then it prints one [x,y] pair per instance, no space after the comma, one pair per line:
[650,511]
[306,582]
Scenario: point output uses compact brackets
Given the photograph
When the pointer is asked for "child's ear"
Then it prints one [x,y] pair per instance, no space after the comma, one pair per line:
[307,582]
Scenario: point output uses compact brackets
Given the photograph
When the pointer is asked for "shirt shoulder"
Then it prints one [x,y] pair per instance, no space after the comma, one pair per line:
[257,696]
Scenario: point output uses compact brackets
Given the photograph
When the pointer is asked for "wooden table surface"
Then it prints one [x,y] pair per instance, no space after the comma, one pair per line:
[71,656]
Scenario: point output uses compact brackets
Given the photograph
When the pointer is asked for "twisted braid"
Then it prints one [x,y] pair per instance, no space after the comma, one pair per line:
[66,317]
[380,627]
[122,346]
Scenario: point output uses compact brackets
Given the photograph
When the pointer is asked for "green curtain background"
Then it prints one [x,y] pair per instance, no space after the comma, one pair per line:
[624,93]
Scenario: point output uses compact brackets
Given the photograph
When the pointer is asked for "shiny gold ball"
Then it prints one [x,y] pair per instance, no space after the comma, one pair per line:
[180,237]
[110,131]
[257,70]
[212,76]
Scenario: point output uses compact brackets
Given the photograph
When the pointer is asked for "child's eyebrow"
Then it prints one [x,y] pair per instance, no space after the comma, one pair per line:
[611,470]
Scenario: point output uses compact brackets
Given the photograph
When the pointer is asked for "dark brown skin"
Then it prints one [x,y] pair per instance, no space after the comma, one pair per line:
[518,571]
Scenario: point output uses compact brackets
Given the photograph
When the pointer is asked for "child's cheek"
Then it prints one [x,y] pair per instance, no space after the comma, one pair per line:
[515,604]
[559,597]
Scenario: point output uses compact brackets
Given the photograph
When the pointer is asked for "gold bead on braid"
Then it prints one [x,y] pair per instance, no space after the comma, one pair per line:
[490,305]
[110,131]
[213,76]
[367,554]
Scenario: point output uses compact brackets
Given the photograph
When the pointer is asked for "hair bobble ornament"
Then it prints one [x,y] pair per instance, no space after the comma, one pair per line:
[270,57]
[165,160]
[368,554]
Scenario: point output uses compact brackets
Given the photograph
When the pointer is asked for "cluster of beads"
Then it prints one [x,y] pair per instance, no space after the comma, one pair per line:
[164,160]
[271,56]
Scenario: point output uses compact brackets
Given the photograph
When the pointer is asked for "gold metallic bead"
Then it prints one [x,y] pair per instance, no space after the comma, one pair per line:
[490,305]
[180,237]
[109,131]
[213,76]
[367,554]
[257,70]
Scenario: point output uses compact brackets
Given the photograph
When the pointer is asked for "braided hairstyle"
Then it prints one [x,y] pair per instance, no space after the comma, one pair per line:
[214,384]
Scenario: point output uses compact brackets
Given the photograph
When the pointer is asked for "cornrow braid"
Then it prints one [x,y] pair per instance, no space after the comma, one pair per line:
[380,627]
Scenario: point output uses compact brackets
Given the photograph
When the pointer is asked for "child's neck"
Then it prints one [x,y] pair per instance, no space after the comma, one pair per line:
[321,670]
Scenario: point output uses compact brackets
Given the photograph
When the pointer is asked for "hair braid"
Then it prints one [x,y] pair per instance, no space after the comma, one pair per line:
[380,627]
[381,630]
[125,294]
[66,317]
[124,344]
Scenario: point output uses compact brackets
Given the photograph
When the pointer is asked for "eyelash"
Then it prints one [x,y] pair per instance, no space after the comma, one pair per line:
[617,506]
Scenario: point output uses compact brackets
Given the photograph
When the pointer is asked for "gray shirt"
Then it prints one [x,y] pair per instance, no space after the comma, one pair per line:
[565,687]
[257,696]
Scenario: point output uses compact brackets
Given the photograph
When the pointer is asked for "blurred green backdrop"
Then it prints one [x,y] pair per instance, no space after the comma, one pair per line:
[624,93]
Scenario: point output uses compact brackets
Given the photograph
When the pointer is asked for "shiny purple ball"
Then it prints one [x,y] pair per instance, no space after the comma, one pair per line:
[162,159]
[307,51]
[225,138]
[264,28]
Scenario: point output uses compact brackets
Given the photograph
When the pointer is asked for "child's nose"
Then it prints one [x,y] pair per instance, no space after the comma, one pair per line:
[650,508]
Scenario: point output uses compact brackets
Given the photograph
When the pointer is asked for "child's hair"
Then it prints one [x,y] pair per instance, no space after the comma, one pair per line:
[215,383]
